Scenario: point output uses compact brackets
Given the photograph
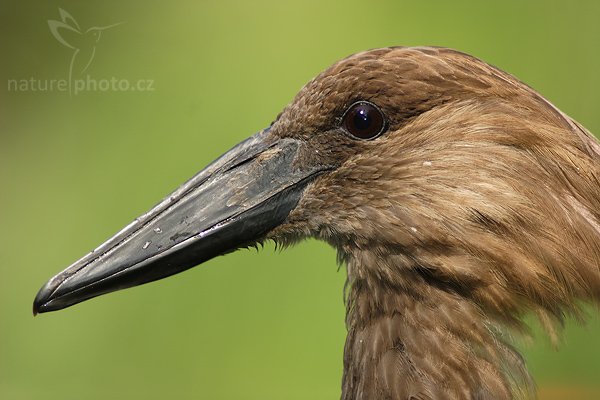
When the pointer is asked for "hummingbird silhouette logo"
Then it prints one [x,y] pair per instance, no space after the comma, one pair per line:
[83,43]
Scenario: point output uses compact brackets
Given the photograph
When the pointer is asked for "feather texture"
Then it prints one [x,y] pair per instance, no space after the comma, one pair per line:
[480,204]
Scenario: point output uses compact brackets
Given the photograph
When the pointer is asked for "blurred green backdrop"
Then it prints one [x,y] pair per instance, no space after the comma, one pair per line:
[76,168]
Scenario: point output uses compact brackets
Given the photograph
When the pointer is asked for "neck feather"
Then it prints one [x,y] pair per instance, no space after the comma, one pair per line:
[414,336]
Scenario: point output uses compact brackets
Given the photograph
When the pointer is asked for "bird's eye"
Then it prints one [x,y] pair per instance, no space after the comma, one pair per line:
[363,120]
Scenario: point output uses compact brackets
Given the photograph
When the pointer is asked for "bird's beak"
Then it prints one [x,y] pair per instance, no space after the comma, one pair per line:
[233,202]
[103,28]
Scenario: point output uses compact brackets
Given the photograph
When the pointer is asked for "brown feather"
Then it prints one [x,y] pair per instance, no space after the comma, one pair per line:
[479,205]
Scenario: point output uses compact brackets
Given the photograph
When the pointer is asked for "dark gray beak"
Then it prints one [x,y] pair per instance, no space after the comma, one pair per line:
[234,202]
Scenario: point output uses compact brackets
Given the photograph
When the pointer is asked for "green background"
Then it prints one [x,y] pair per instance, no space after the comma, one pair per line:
[75,169]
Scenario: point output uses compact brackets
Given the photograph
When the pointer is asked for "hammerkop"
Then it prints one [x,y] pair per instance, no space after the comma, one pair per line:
[459,199]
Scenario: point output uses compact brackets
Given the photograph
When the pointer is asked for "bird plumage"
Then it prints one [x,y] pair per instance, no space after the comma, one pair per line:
[478,205]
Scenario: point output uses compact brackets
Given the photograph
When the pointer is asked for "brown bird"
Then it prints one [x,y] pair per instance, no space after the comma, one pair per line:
[459,199]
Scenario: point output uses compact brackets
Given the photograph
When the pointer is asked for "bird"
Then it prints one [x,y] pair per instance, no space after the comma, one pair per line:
[458,198]
[82,42]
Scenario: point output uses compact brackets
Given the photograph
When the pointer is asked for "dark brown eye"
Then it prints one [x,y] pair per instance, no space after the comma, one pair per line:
[364,120]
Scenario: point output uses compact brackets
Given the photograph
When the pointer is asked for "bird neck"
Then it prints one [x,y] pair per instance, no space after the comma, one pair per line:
[411,336]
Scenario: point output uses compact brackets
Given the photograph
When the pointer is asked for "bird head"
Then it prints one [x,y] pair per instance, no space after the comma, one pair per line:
[94,33]
[446,170]
[428,170]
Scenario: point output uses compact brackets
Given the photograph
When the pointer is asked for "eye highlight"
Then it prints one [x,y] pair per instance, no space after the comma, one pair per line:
[364,120]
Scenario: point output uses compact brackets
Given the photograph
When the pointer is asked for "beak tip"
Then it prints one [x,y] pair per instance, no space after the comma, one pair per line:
[40,303]
[37,307]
